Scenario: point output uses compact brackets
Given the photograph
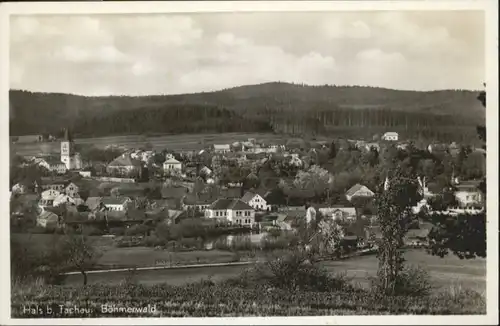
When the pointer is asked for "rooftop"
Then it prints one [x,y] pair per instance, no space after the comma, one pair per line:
[354,189]
[125,160]
[114,200]
[234,204]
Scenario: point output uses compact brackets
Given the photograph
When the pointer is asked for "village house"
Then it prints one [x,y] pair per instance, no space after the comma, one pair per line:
[358,190]
[49,194]
[66,199]
[85,174]
[390,136]
[255,200]
[55,185]
[197,204]
[222,148]
[343,213]
[47,219]
[468,194]
[171,164]
[71,190]
[52,164]
[124,165]
[232,210]
[205,171]
[119,204]
[19,189]
[95,204]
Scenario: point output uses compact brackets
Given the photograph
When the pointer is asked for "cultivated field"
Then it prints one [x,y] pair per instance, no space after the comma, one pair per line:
[180,142]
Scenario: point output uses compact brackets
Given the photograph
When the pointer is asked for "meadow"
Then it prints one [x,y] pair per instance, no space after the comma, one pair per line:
[178,142]
[445,272]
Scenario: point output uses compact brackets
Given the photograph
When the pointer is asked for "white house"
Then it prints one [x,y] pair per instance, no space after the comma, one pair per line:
[205,171]
[171,164]
[468,194]
[344,213]
[71,190]
[50,194]
[359,190]
[19,189]
[119,204]
[232,210]
[390,136]
[65,199]
[255,200]
[222,148]
[85,174]
[47,219]
[294,160]
[52,165]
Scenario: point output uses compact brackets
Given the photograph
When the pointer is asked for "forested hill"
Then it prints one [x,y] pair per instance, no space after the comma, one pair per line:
[281,107]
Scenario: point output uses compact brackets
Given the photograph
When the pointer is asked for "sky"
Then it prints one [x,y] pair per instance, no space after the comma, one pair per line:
[174,53]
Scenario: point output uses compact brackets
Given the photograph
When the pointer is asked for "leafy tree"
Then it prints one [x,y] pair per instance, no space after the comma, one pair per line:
[463,235]
[394,217]
[316,179]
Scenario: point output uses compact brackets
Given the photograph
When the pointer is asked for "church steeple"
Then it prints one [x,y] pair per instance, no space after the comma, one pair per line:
[67,135]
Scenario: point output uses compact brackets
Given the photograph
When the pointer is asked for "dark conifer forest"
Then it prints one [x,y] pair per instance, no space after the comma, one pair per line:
[345,111]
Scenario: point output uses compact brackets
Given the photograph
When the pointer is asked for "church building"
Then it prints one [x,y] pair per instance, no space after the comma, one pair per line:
[71,159]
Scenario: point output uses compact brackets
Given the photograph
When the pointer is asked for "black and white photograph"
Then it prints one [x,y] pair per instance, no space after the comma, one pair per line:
[249,160]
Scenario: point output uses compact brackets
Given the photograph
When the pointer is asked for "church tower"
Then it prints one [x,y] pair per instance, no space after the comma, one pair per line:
[67,150]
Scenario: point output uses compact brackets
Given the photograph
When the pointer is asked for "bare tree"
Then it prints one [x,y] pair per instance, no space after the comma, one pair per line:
[81,254]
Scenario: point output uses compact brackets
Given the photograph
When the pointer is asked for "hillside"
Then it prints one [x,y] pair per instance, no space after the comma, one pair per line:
[270,106]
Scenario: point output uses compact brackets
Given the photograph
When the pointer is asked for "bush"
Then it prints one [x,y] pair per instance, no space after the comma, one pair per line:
[296,271]
[412,281]
[191,243]
[91,230]
[152,241]
[117,231]
[139,229]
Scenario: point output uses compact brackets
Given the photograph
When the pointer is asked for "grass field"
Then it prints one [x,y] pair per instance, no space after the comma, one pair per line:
[114,257]
[448,271]
[444,272]
[184,142]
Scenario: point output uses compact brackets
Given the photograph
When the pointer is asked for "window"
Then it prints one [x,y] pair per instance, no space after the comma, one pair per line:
[238,213]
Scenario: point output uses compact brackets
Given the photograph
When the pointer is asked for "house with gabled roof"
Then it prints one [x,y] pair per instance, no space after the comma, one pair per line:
[255,200]
[116,203]
[171,164]
[95,204]
[52,164]
[468,195]
[65,199]
[232,210]
[47,219]
[123,165]
[198,203]
[359,190]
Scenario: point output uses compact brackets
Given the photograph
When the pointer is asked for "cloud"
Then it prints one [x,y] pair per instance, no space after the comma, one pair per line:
[339,29]
[172,53]
[107,54]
